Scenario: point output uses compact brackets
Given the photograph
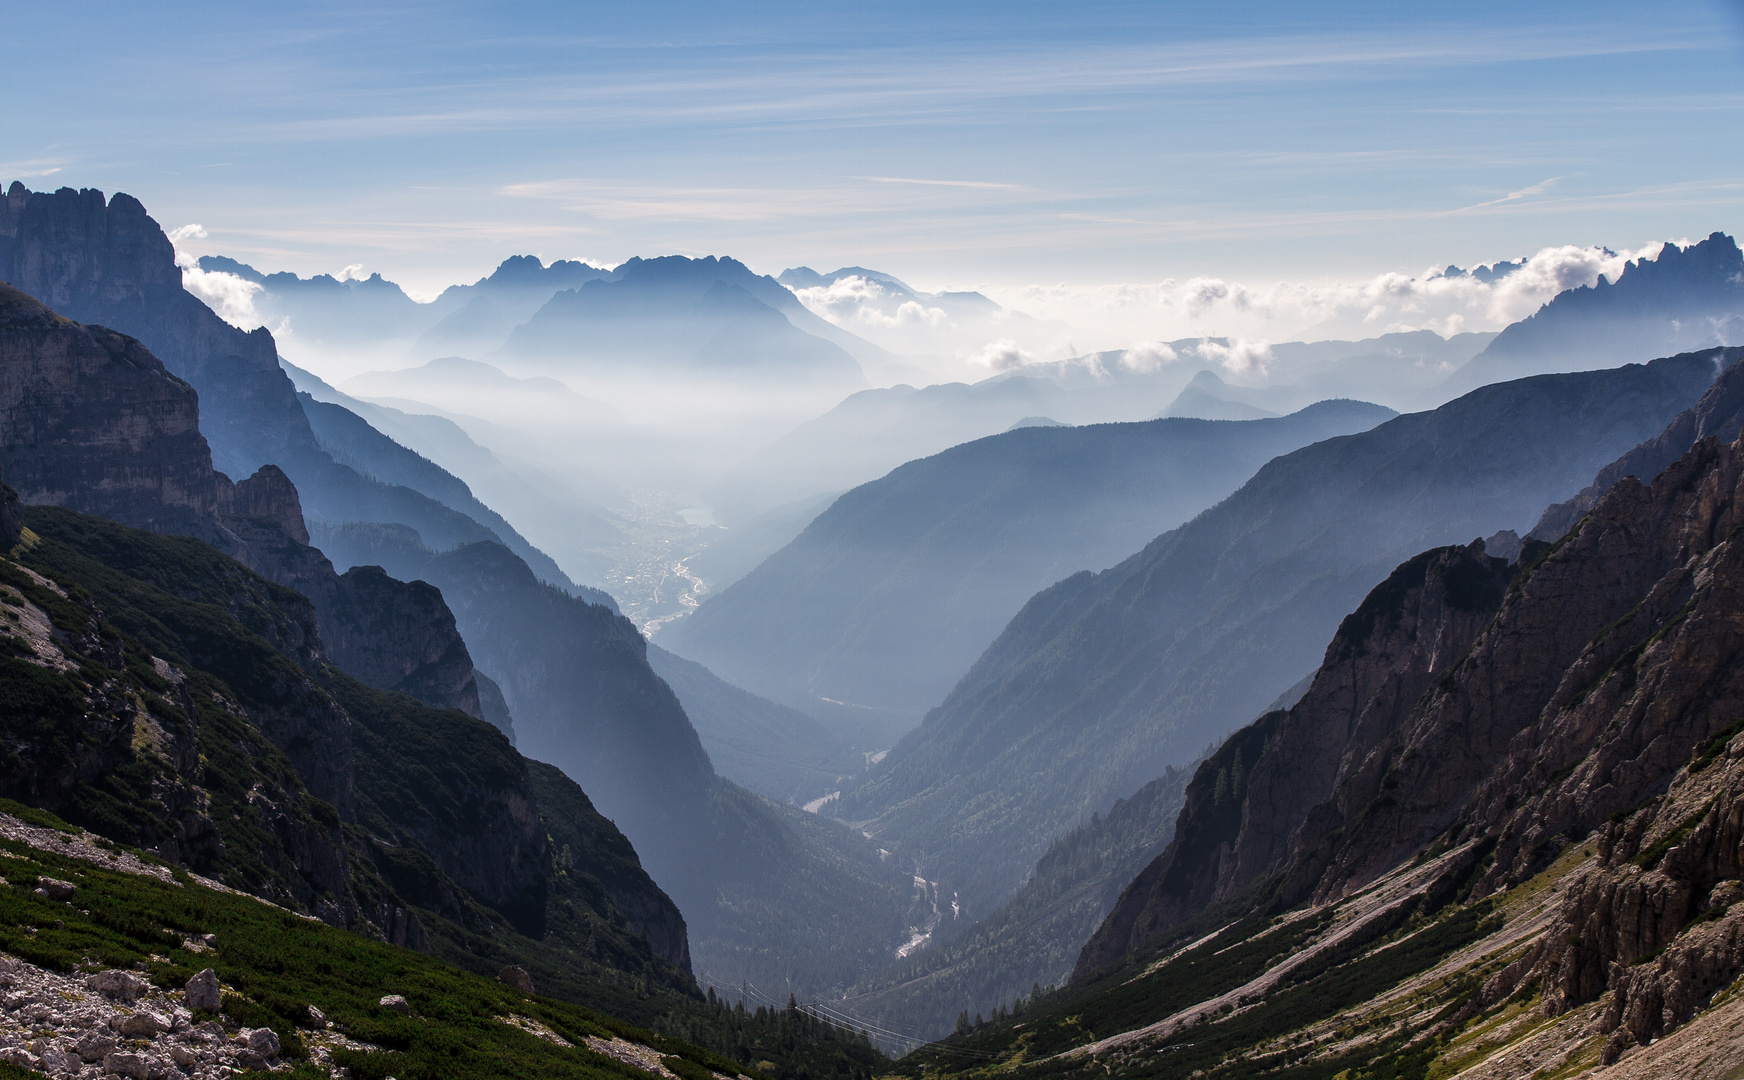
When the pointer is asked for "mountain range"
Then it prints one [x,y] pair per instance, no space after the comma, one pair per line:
[1497,835]
[558,659]
[888,596]
[1104,679]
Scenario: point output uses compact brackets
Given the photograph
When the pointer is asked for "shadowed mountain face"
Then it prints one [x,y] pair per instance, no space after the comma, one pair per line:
[1514,791]
[888,596]
[778,752]
[769,893]
[92,420]
[707,318]
[1104,679]
[109,263]
[1686,299]
[1520,707]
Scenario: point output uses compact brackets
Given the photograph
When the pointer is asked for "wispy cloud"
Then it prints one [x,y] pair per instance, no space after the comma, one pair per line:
[1527,192]
[940,183]
[28,170]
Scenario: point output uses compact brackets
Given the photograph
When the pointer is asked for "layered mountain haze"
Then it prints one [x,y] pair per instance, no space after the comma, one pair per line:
[1508,795]
[1683,299]
[1103,680]
[110,263]
[889,595]
[368,807]
[769,893]
[874,431]
[709,319]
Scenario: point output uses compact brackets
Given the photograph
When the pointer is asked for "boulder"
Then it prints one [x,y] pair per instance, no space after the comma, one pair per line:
[121,985]
[56,889]
[202,992]
[397,1003]
[263,1042]
[517,977]
[94,1047]
[133,1066]
[141,1025]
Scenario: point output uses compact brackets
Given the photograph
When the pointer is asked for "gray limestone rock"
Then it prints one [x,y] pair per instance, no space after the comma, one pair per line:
[202,991]
[121,985]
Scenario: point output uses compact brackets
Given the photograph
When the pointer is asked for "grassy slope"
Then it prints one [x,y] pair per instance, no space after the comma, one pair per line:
[281,963]
[178,599]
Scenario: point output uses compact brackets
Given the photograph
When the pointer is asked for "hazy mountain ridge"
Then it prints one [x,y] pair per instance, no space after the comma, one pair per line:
[777,752]
[769,893]
[1104,679]
[888,596]
[707,317]
[1684,299]
[1527,773]
[110,263]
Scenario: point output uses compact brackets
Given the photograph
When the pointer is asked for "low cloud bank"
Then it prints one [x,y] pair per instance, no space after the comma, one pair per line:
[1448,301]
[230,296]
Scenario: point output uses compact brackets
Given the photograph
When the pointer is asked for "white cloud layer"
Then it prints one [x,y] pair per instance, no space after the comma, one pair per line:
[1128,313]
[230,296]
[1001,355]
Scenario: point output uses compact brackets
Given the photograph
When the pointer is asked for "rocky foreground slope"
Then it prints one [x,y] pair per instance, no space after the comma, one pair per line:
[1502,834]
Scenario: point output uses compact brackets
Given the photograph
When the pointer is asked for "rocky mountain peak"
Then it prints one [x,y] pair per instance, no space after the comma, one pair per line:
[270,494]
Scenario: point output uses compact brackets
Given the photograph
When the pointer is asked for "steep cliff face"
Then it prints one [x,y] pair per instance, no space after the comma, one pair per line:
[1509,717]
[90,419]
[227,741]
[110,263]
[1719,414]
[1103,680]
[1247,802]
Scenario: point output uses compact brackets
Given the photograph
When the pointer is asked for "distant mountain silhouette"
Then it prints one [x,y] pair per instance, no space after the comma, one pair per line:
[565,519]
[709,318]
[328,310]
[476,319]
[889,595]
[1686,298]
[108,262]
[1103,680]
[1204,399]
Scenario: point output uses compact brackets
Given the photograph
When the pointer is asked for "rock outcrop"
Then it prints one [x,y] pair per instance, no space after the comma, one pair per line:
[108,262]
[1250,801]
[400,635]
[1719,414]
[90,419]
[1585,695]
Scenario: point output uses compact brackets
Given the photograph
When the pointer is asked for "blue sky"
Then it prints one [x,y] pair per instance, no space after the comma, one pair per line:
[1003,144]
